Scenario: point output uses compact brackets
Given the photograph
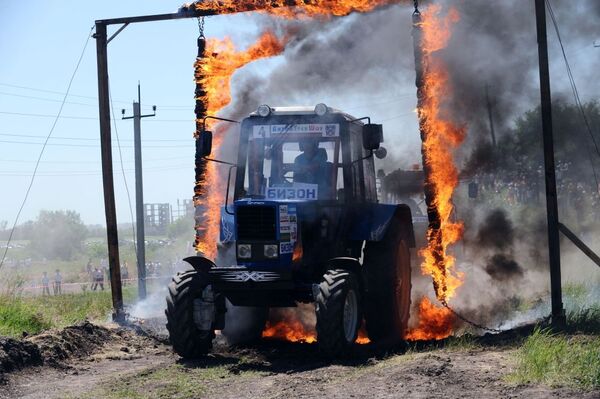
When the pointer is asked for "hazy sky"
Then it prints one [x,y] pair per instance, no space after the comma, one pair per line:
[40,42]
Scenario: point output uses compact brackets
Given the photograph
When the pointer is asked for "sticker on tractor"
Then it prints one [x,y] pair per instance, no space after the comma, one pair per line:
[321,129]
[300,192]
[286,248]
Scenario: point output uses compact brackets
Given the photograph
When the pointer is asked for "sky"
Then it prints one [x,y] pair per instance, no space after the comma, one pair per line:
[40,42]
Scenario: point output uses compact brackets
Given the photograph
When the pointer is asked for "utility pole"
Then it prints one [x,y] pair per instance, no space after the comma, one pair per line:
[112,238]
[139,190]
[558,312]
[490,115]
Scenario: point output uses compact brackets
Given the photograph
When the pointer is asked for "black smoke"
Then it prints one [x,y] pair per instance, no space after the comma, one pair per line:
[502,267]
[496,231]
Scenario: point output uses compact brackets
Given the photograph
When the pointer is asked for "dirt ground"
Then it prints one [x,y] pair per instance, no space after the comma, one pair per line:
[122,363]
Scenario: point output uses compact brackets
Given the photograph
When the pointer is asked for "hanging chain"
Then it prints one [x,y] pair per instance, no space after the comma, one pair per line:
[201,26]
[416,4]
[482,327]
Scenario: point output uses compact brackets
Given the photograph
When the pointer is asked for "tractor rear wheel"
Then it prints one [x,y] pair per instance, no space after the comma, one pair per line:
[389,285]
[188,341]
[339,313]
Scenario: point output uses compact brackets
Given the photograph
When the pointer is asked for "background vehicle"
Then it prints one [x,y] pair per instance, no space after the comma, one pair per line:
[296,234]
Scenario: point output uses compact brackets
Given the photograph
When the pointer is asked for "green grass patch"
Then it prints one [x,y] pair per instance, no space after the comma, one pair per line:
[174,381]
[559,360]
[33,315]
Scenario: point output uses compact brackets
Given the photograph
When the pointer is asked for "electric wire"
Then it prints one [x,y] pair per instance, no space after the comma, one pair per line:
[57,117]
[576,95]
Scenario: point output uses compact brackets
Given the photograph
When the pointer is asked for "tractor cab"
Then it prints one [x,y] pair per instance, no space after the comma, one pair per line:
[303,153]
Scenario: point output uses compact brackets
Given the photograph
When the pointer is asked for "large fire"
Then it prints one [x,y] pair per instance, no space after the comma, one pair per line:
[291,330]
[214,73]
[295,8]
[441,136]
[298,325]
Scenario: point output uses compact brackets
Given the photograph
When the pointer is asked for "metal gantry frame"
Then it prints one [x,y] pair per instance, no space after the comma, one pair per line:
[102,41]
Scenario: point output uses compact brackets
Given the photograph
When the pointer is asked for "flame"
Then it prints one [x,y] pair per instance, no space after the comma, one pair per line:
[289,330]
[295,8]
[363,337]
[441,137]
[434,322]
[298,325]
[214,73]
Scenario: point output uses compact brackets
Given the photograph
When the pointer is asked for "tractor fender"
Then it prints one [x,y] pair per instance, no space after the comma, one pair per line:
[200,263]
[372,222]
[346,263]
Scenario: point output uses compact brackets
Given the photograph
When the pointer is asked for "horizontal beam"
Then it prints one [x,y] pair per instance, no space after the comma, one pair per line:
[579,244]
[181,14]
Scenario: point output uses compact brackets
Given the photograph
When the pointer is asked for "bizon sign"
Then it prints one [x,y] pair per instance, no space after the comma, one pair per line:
[304,192]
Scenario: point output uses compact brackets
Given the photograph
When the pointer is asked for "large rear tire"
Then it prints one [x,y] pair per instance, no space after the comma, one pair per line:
[339,312]
[188,341]
[389,285]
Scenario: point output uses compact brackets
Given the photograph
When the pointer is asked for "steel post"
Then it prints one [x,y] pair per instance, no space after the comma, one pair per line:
[558,313]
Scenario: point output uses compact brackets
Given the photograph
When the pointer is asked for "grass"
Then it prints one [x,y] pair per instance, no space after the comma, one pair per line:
[175,381]
[558,360]
[33,315]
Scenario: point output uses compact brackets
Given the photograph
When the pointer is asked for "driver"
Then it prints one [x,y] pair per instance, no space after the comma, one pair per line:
[309,166]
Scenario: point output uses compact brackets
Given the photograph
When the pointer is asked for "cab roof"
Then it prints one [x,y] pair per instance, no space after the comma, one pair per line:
[302,110]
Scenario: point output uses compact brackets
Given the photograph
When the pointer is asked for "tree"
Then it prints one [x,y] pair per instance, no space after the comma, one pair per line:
[58,235]
[521,148]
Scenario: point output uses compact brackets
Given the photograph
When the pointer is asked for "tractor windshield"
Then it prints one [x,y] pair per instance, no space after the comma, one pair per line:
[294,166]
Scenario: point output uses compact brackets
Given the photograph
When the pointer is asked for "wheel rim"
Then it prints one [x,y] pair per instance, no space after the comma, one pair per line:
[350,315]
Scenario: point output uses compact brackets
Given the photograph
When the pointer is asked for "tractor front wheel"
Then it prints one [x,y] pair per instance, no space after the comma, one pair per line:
[339,312]
[187,339]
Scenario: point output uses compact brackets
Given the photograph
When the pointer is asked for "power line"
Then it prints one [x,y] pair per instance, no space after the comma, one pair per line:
[80,96]
[92,139]
[94,118]
[89,145]
[47,115]
[44,147]
[96,172]
[44,99]
[85,162]
[576,95]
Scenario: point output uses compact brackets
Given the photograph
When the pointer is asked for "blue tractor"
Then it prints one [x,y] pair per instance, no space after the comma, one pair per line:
[304,226]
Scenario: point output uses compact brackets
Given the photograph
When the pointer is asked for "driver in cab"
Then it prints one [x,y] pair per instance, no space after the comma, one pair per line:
[310,165]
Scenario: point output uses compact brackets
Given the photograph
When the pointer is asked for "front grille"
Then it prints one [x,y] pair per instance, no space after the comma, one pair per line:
[256,223]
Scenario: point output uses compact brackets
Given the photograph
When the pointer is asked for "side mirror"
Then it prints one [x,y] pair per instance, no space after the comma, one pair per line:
[204,143]
[372,136]
[381,153]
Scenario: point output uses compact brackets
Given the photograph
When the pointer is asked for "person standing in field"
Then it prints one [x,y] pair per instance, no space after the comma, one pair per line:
[98,279]
[124,273]
[88,267]
[45,284]
[57,283]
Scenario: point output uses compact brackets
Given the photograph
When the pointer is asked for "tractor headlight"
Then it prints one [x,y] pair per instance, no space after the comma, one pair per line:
[321,109]
[264,110]
[271,251]
[244,251]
